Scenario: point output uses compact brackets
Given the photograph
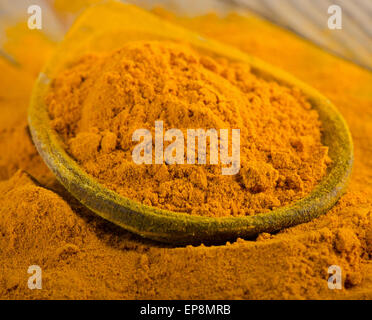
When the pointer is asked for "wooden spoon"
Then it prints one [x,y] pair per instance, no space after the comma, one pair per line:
[123,23]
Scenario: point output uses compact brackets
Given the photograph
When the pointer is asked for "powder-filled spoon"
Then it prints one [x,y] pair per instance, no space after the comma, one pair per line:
[156,223]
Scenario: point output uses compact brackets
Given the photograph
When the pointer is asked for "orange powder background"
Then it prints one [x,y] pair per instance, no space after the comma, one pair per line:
[83,256]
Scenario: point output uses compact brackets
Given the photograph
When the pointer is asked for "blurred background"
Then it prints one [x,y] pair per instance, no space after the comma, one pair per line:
[307,18]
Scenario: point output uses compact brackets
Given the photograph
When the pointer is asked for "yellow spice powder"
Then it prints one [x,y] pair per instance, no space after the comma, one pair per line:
[101,100]
[88,258]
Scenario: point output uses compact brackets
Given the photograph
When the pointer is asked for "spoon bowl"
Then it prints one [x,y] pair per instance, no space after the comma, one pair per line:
[106,22]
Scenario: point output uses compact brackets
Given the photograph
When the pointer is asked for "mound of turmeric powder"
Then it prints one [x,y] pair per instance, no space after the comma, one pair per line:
[101,100]
[84,257]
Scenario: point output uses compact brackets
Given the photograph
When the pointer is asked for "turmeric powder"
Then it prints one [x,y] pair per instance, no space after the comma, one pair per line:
[85,257]
[99,102]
